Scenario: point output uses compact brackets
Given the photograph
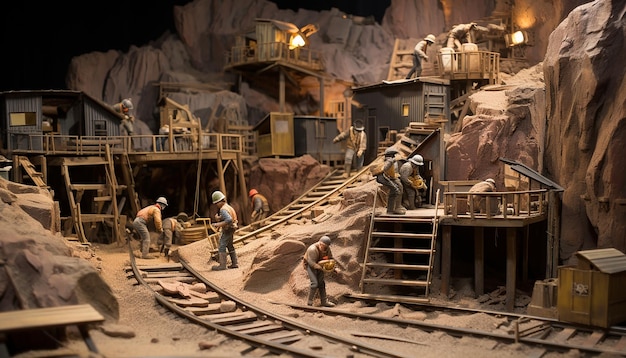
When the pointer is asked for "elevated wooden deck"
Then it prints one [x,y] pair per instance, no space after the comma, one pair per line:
[140,148]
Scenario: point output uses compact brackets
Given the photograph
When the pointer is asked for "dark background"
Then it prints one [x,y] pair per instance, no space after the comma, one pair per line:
[39,38]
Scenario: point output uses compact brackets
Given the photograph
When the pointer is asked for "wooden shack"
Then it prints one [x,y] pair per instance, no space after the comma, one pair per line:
[592,292]
[314,136]
[31,114]
[275,135]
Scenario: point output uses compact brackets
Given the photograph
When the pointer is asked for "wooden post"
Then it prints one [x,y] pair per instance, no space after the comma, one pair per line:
[446,256]
[511,264]
[479,260]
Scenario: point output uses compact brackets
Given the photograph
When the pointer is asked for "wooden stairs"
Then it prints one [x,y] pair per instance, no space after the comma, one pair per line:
[399,256]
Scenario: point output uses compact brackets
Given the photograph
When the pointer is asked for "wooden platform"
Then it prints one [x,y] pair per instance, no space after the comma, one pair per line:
[48,318]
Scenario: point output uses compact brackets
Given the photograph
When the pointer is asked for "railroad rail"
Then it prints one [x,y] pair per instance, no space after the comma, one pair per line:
[317,196]
[548,334]
[180,289]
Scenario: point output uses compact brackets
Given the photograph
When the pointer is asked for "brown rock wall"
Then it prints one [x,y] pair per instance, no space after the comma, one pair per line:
[586,97]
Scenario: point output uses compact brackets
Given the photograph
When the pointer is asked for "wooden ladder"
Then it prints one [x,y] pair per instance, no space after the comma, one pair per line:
[29,168]
[89,216]
[399,256]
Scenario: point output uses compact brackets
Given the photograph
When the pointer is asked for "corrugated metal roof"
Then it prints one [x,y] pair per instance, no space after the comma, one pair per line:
[531,173]
[605,260]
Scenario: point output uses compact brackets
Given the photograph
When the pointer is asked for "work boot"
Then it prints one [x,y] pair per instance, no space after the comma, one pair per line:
[324,299]
[222,260]
[391,204]
[399,209]
[346,170]
[309,302]
[233,259]
[145,250]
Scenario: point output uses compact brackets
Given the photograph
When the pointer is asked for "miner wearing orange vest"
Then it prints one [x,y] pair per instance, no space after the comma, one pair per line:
[144,216]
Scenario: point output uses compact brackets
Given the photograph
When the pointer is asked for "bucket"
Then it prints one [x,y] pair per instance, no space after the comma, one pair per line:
[472,57]
[447,59]
[469,47]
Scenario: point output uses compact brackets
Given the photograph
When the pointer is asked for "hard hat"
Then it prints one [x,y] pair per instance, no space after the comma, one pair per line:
[127,103]
[491,181]
[417,159]
[161,200]
[358,125]
[473,24]
[390,152]
[252,192]
[182,217]
[430,38]
[217,197]
[325,239]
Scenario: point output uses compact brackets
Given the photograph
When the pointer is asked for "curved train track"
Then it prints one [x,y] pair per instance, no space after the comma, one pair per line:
[183,291]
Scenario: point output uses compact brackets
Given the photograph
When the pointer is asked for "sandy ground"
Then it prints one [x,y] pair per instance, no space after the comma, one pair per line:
[156,333]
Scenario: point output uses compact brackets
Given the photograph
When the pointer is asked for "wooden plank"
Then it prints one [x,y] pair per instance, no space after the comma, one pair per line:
[48,317]
[564,335]
[594,338]
[210,309]
[231,317]
[383,281]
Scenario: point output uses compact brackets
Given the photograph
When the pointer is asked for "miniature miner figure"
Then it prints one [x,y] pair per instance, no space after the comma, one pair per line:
[260,206]
[419,54]
[390,178]
[124,108]
[172,228]
[317,254]
[144,216]
[226,220]
[412,182]
[479,202]
[463,33]
[356,144]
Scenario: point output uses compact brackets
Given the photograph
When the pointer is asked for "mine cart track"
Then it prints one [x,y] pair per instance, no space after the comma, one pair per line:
[318,196]
[181,290]
[547,334]
[193,297]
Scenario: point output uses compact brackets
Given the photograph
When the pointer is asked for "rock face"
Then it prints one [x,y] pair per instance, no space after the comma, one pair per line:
[586,102]
[282,181]
[40,269]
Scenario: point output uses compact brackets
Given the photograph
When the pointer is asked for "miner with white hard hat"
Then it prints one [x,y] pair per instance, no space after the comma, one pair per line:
[390,178]
[144,216]
[412,182]
[318,260]
[226,220]
[419,54]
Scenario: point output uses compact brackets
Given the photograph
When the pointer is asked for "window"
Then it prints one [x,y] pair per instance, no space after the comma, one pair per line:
[19,119]
[405,110]
[100,128]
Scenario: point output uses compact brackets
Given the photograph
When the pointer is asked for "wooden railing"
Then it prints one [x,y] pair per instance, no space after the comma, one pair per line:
[137,144]
[469,65]
[506,204]
[274,51]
